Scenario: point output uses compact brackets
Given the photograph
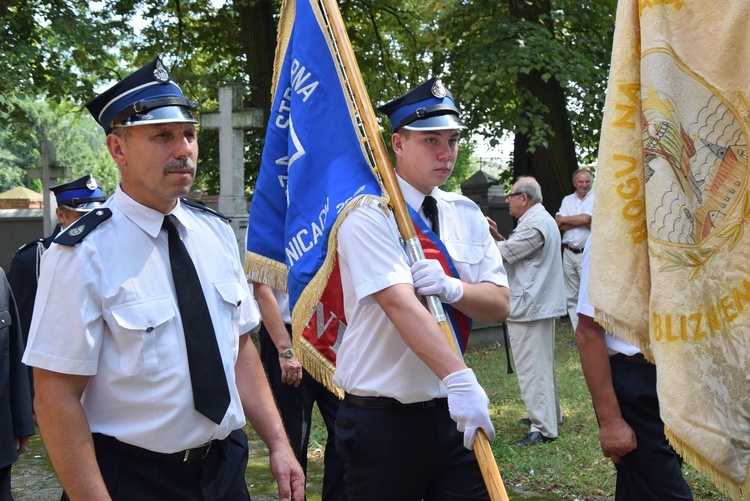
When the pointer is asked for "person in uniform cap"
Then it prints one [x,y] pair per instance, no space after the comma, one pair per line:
[144,372]
[412,407]
[74,199]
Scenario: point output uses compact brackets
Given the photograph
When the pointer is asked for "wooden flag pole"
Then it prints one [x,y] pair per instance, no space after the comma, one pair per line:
[482,448]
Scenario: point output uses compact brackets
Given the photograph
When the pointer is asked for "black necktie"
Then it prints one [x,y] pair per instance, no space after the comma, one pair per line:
[429,206]
[210,390]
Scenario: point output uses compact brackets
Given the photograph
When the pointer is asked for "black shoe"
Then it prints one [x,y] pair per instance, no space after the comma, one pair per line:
[525,421]
[532,438]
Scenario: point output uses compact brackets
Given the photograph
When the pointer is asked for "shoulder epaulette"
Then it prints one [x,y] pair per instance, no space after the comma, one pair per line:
[77,231]
[27,245]
[208,210]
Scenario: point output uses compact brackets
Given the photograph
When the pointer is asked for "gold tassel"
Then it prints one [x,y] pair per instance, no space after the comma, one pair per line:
[266,271]
[738,492]
[624,331]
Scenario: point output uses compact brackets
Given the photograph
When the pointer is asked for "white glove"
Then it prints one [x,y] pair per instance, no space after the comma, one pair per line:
[468,405]
[430,279]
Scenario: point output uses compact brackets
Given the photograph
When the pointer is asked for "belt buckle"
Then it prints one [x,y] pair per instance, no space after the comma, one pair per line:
[207,449]
[207,445]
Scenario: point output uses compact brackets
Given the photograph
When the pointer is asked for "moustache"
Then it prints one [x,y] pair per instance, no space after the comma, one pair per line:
[181,165]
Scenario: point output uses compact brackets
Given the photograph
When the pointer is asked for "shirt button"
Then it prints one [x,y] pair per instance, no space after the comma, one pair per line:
[150,329]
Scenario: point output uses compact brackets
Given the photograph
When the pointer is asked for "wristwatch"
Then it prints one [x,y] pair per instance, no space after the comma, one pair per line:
[288,353]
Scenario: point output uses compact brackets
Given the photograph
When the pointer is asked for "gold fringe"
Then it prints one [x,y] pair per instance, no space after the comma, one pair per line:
[738,492]
[316,364]
[714,475]
[320,368]
[624,331]
[266,271]
[286,23]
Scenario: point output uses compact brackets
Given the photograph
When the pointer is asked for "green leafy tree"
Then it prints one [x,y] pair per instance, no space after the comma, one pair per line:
[54,48]
[538,69]
[79,141]
[533,68]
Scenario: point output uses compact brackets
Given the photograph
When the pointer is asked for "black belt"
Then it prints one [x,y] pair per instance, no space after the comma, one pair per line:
[638,358]
[572,249]
[388,402]
[186,456]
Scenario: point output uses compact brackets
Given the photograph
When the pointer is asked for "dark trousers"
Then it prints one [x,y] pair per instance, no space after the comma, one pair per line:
[296,408]
[5,483]
[220,476]
[406,454]
[652,472]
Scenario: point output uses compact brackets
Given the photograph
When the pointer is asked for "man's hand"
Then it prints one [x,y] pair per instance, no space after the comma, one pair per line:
[468,405]
[493,230]
[291,370]
[22,443]
[430,279]
[617,439]
[288,474]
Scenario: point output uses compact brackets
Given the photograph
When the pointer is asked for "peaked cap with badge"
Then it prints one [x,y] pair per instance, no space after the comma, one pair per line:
[427,107]
[82,194]
[148,96]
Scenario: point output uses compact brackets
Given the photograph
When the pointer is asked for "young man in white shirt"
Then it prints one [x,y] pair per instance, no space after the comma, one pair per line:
[412,407]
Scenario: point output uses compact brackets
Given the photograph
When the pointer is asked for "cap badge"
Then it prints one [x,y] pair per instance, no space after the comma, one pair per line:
[161,73]
[74,232]
[91,183]
[438,89]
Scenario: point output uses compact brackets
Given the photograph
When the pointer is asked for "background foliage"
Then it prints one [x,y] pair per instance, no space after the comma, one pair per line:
[502,60]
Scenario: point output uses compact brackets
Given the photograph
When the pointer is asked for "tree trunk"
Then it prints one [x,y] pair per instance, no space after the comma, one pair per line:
[258,39]
[552,166]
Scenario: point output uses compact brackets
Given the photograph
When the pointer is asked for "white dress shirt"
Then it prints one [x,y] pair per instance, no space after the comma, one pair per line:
[571,206]
[614,344]
[106,308]
[373,360]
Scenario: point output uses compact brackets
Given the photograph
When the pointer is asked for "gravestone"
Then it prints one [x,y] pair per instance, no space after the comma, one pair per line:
[232,120]
[485,190]
[49,171]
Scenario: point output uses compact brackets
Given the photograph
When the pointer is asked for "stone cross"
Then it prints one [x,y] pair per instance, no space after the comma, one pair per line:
[49,171]
[232,120]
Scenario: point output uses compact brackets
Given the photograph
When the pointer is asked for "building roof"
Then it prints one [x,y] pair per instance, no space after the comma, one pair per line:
[21,193]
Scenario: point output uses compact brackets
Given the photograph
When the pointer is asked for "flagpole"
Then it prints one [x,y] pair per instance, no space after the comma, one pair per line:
[482,449]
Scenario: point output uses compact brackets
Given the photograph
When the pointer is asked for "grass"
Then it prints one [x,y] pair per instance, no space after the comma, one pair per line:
[570,468]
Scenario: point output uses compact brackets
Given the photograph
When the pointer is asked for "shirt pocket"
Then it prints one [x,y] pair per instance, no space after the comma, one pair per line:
[147,335]
[231,295]
[466,257]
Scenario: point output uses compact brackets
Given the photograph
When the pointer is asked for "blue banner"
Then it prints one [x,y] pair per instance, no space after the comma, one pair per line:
[314,169]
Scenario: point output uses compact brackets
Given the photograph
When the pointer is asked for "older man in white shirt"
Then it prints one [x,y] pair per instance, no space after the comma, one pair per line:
[574,218]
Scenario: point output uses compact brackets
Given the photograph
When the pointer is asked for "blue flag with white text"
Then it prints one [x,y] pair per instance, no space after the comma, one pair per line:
[314,169]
